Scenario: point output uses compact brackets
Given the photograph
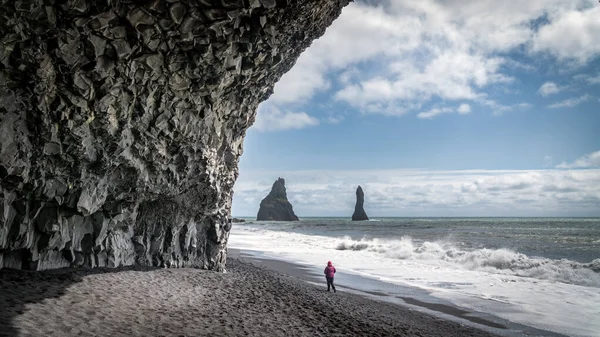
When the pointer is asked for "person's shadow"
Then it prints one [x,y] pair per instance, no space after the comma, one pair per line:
[19,288]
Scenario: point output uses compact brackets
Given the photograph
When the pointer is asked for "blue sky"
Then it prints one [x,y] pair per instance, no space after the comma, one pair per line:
[459,108]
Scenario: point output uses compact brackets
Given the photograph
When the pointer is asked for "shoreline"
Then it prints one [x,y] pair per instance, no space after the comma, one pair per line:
[406,298]
[270,297]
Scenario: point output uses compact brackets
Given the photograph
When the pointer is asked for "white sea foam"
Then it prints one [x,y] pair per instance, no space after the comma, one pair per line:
[556,295]
[502,261]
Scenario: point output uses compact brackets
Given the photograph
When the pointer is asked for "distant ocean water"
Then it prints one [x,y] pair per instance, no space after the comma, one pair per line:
[542,272]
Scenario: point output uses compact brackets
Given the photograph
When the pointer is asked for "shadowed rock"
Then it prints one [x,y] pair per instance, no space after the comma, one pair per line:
[275,206]
[122,122]
[359,211]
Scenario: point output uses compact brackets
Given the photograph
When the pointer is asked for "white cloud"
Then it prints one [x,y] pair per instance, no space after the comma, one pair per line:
[404,54]
[594,79]
[344,44]
[429,193]
[524,105]
[349,75]
[499,109]
[571,102]
[271,118]
[571,34]
[451,75]
[302,81]
[335,119]
[549,88]
[591,79]
[433,112]
[591,160]
[464,109]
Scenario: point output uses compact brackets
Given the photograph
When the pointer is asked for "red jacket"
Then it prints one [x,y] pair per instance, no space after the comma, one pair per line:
[329,270]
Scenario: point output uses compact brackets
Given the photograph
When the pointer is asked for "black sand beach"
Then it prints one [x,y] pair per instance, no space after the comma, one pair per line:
[246,301]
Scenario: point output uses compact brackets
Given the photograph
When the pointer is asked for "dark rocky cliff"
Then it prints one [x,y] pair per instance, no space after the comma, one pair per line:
[122,122]
[275,206]
[359,211]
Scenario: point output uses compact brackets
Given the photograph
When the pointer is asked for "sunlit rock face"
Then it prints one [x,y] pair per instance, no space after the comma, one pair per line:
[122,122]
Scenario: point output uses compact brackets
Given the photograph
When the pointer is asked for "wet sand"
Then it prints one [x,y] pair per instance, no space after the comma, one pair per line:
[248,300]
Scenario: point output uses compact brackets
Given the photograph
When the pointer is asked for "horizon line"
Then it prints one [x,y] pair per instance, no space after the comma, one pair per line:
[437,216]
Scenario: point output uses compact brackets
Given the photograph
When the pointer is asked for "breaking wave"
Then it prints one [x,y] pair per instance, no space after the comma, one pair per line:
[501,261]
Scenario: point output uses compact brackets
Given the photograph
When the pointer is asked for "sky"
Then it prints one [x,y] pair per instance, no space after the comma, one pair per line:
[437,108]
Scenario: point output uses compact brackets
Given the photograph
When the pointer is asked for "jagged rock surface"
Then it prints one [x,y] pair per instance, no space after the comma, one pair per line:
[121,123]
[359,211]
[275,206]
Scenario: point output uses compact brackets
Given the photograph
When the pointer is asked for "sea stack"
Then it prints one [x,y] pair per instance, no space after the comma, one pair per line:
[275,206]
[359,211]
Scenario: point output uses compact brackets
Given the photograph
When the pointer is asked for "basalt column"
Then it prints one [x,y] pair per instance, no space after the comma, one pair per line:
[359,210]
[122,122]
[275,206]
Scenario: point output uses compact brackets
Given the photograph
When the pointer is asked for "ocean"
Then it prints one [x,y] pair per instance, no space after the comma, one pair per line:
[538,272]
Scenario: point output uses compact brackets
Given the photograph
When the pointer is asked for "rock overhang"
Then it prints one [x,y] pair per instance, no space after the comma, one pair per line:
[122,123]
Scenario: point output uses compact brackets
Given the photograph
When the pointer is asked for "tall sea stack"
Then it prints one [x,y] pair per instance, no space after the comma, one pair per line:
[275,206]
[122,123]
[359,211]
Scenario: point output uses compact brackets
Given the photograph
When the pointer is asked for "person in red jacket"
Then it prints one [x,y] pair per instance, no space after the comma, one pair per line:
[329,273]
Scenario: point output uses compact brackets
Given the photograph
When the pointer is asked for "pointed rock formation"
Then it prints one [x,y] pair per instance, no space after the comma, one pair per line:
[275,206]
[122,123]
[359,211]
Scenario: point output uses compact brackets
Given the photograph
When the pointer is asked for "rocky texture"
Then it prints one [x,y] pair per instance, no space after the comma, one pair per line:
[275,206]
[236,220]
[121,123]
[359,211]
